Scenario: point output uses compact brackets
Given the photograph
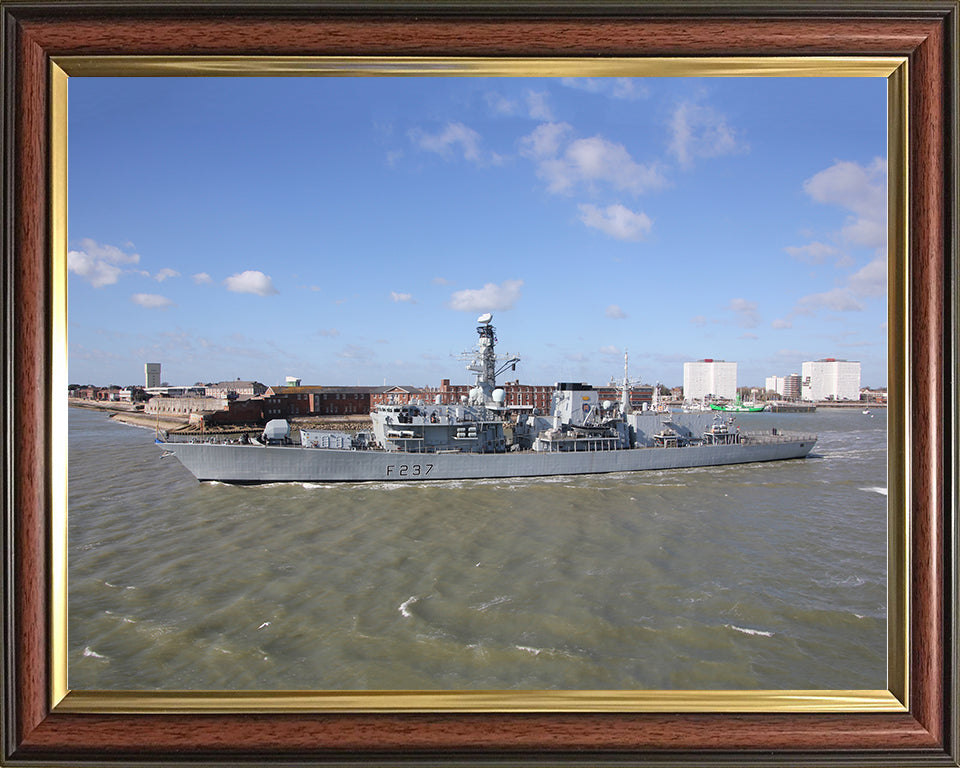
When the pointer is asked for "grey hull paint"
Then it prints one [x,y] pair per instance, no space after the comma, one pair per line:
[262,464]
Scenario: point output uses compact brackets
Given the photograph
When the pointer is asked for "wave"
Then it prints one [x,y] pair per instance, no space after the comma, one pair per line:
[748,631]
[405,605]
[499,600]
[882,491]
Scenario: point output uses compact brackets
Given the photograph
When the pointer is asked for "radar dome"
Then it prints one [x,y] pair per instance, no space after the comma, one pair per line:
[485,318]
[499,396]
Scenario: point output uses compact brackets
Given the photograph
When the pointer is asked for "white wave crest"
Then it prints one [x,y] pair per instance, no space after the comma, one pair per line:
[498,600]
[528,649]
[405,605]
[748,631]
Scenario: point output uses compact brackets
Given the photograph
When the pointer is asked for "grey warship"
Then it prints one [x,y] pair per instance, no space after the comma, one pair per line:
[483,437]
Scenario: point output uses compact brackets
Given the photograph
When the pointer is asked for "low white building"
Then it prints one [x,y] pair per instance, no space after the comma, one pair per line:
[709,379]
[830,379]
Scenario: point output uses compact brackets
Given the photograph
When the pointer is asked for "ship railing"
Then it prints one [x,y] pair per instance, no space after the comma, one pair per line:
[776,436]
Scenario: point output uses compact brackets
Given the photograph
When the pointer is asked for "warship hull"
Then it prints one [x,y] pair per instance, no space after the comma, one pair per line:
[245,464]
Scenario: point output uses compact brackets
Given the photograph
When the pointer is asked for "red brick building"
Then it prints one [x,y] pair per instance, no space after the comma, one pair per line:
[398,395]
[283,402]
[343,401]
[639,396]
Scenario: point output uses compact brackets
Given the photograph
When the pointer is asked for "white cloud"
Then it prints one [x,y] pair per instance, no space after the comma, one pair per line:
[749,336]
[537,106]
[781,323]
[454,135]
[699,131]
[441,281]
[165,274]
[596,160]
[404,297]
[837,300]
[586,161]
[627,88]
[745,311]
[862,190]
[812,253]
[609,350]
[500,104]
[614,312]
[151,300]
[544,141]
[202,278]
[698,320]
[617,221]
[490,298]
[251,281]
[871,280]
[99,264]
[328,332]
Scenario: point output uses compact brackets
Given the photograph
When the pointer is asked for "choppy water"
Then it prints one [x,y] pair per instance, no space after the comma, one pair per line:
[765,576]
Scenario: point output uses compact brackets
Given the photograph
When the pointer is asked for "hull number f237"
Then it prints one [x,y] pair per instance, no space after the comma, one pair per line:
[408,470]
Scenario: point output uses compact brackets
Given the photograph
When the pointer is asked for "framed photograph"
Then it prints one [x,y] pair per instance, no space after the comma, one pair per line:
[65,698]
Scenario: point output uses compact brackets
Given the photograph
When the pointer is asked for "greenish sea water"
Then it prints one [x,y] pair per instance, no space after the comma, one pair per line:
[768,576]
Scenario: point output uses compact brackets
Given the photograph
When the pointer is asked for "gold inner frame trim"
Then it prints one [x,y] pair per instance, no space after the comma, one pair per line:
[894,69]
[382,702]
[421,66]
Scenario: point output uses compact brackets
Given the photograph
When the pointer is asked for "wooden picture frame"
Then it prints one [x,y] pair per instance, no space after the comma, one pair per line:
[38,731]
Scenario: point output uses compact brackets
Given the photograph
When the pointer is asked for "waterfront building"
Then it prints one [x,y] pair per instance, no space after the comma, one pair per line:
[235,389]
[709,379]
[184,406]
[151,373]
[791,386]
[830,379]
[280,402]
[787,387]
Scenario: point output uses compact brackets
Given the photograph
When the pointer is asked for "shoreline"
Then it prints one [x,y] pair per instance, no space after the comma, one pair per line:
[126,414]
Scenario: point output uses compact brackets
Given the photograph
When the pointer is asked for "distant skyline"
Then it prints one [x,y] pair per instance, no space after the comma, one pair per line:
[350,230]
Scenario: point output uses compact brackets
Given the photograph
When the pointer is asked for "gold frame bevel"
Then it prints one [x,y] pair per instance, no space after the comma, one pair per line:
[894,699]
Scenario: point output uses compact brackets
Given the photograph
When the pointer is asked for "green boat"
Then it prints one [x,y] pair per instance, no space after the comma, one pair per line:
[737,406]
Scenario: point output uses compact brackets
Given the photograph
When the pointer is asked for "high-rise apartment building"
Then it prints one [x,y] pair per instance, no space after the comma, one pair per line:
[830,379]
[709,378]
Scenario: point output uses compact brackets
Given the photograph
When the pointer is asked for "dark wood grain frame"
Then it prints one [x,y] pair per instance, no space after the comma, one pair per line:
[34,33]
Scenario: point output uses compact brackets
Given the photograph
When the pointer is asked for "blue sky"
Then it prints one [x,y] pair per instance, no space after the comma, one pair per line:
[350,230]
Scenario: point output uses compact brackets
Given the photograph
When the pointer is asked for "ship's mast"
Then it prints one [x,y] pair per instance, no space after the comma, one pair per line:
[625,385]
[484,360]
[625,389]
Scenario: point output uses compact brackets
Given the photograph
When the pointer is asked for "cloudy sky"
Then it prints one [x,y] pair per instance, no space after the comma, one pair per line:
[350,230]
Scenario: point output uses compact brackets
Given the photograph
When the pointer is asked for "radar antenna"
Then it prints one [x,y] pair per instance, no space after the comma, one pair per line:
[484,361]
